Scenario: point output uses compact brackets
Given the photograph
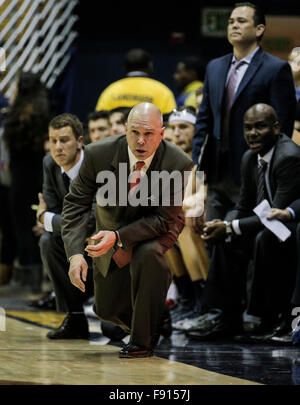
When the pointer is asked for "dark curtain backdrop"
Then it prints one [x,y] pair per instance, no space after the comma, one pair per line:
[108,32]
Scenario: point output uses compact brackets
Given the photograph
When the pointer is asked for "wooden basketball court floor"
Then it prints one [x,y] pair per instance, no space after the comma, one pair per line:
[27,357]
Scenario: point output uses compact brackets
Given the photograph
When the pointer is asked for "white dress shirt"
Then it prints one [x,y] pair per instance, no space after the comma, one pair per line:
[242,69]
[133,160]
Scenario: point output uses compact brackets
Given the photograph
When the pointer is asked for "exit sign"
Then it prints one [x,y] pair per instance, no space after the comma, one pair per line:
[214,21]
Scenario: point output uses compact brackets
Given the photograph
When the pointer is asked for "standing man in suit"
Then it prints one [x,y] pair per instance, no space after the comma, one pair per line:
[60,168]
[234,83]
[131,275]
[270,170]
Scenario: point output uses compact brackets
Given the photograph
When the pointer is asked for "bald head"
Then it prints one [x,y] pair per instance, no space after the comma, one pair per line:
[261,128]
[261,110]
[144,130]
[147,111]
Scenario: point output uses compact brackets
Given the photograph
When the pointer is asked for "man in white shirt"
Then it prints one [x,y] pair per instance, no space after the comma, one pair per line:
[61,166]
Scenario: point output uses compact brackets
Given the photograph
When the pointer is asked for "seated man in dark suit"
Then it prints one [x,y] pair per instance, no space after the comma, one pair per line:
[131,274]
[61,167]
[270,170]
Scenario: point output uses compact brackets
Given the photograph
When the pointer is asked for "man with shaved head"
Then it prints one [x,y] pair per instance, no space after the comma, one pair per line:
[270,170]
[131,276]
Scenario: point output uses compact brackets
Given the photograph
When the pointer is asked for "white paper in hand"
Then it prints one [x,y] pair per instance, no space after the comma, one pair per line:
[262,210]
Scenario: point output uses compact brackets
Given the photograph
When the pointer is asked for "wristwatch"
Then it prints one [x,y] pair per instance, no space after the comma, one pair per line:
[228,227]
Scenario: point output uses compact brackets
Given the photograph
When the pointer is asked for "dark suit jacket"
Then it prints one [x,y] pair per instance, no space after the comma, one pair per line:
[135,224]
[296,207]
[54,192]
[284,179]
[268,79]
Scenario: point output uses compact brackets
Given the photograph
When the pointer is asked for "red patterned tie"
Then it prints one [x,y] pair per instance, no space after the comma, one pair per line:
[135,176]
[121,257]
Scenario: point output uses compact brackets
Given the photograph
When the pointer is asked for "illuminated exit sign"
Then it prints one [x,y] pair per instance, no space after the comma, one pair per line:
[214,21]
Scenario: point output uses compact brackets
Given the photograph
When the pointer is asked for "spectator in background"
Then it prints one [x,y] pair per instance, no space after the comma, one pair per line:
[199,97]
[8,243]
[117,119]
[182,122]
[297,118]
[233,84]
[168,135]
[190,275]
[296,133]
[98,125]
[137,86]
[294,61]
[188,77]
[25,130]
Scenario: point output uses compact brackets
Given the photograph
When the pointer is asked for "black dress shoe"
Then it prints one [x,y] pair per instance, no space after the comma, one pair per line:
[132,351]
[112,331]
[264,333]
[73,327]
[47,302]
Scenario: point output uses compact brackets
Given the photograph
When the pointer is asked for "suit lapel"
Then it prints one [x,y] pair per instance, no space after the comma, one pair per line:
[121,156]
[250,72]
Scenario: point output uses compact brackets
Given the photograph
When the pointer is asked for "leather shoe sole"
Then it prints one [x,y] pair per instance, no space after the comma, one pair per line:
[58,334]
[134,351]
[274,335]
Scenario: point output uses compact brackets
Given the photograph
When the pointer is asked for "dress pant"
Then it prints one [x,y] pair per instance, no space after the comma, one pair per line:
[133,297]
[273,266]
[296,292]
[225,287]
[8,242]
[274,274]
[68,297]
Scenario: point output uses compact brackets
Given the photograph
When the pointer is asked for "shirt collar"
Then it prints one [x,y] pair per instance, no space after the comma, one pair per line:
[72,173]
[137,73]
[133,160]
[267,157]
[247,58]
